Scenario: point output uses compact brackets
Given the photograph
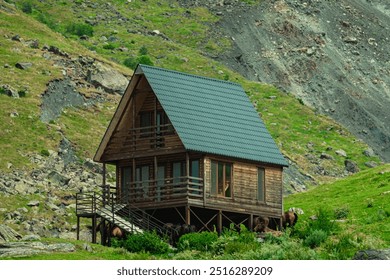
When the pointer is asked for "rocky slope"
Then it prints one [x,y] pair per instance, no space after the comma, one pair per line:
[333,55]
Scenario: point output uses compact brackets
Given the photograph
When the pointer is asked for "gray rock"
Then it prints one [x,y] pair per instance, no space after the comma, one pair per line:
[351,166]
[58,178]
[371,164]
[326,156]
[24,249]
[10,91]
[31,237]
[109,79]
[23,65]
[369,152]
[372,255]
[33,203]
[59,94]
[8,234]
[341,153]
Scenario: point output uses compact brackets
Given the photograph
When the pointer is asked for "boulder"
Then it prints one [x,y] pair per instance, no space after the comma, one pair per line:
[107,78]
[351,166]
[10,91]
[8,234]
[23,65]
[372,255]
[58,179]
[341,153]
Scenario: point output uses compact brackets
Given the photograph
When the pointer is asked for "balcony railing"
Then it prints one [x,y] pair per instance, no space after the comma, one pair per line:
[151,137]
[168,189]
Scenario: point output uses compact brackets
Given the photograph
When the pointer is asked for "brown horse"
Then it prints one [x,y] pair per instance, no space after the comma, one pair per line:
[289,219]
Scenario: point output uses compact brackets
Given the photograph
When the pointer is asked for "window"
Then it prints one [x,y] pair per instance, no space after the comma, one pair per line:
[221,178]
[260,184]
[195,172]
[146,123]
[179,171]
[160,181]
[126,181]
[142,178]
[163,124]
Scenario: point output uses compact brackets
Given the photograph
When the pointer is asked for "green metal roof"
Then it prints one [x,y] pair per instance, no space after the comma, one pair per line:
[212,116]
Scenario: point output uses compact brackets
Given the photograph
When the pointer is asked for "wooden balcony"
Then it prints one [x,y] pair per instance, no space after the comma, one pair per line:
[170,191]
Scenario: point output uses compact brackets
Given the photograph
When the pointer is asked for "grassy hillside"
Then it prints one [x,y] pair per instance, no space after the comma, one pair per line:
[352,214]
[300,133]
[360,203]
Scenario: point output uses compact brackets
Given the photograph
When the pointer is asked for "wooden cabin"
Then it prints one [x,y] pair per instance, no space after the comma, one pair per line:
[192,150]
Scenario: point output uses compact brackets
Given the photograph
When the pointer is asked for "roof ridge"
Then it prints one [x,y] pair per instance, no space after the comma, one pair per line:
[190,75]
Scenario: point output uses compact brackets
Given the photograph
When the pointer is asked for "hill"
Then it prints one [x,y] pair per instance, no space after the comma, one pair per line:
[56,100]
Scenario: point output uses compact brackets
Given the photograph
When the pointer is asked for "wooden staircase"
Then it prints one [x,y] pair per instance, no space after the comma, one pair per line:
[107,213]
[130,219]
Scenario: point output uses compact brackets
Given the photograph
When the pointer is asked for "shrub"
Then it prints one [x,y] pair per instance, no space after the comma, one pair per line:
[370,202]
[145,242]
[79,29]
[341,213]
[233,242]
[27,7]
[109,46]
[45,153]
[143,51]
[132,62]
[323,221]
[315,238]
[145,59]
[197,241]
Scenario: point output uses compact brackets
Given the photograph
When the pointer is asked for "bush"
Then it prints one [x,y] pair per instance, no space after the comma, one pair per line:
[79,29]
[144,242]
[27,7]
[143,51]
[197,241]
[45,153]
[233,242]
[323,222]
[145,59]
[315,238]
[109,46]
[341,213]
[132,62]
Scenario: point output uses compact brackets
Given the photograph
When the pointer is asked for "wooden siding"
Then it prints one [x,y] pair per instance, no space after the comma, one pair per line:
[128,139]
[244,196]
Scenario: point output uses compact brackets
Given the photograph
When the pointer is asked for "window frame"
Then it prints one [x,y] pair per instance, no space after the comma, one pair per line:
[215,177]
[261,188]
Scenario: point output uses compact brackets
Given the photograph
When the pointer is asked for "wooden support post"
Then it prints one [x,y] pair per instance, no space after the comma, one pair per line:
[155,178]
[103,234]
[78,228]
[104,174]
[251,222]
[188,173]
[109,234]
[94,228]
[219,222]
[188,214]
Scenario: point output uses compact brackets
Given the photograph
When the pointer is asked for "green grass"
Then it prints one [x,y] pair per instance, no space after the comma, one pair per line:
[366,195]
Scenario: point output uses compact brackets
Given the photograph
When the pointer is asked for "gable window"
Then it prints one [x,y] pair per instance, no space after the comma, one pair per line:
[260,184]
[145,123]
[221,178]
[163,124]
